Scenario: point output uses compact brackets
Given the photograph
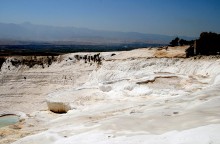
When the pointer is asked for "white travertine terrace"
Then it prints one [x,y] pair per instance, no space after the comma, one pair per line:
[140,96]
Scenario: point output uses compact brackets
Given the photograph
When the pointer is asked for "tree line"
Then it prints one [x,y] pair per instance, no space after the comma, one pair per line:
[207,44]
[180,42]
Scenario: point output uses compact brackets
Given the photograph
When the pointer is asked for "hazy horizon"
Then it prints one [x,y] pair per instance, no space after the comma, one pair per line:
[107,30]
[170,17]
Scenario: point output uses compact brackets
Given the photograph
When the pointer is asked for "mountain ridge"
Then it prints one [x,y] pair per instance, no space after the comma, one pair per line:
[34,32]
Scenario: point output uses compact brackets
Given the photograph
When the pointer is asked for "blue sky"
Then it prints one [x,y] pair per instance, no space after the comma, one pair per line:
[169,17]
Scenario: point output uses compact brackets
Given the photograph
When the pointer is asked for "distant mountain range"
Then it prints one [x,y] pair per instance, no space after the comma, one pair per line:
[31,32]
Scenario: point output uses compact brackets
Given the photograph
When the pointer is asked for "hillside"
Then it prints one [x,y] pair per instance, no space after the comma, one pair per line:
[32,32]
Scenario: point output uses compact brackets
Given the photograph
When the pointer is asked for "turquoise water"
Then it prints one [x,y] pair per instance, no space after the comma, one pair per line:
[8,120]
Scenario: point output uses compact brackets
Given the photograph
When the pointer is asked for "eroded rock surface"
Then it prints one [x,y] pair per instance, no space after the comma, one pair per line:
[131,97]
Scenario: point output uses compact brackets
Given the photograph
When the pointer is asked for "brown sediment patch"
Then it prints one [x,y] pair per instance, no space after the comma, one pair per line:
[171,52]
[58,107]
[155,78]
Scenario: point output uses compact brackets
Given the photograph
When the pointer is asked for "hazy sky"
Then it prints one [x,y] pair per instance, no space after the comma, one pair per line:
[170,17]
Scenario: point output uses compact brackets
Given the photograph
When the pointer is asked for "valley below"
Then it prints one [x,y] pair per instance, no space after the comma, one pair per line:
[148,95]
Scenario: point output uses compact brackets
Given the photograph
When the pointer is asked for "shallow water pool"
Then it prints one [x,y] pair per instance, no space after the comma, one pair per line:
[8,120]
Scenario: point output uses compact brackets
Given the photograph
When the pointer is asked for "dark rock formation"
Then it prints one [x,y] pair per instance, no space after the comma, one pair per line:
[113,54]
